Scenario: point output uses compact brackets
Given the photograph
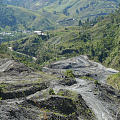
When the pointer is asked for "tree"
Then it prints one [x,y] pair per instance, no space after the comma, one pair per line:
[1,2]
[69,74]
[77,11]
[51,92]
[80,23]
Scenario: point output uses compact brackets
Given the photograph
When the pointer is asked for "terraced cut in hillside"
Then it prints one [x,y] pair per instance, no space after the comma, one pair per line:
[97,95]
[26,94]
[70,73]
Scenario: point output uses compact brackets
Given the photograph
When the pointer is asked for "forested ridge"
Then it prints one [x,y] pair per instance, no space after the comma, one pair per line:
[100,41]
[14,18]
[51,14]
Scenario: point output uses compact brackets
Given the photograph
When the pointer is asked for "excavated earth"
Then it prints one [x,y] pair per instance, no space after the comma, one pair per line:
[101,98]
[25,94]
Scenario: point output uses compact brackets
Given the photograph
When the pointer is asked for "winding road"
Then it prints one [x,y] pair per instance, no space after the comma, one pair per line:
[84,88]
[11,49]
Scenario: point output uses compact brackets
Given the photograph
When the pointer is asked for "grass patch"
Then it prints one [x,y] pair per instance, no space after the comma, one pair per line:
[69,74]
[3,87]
[87,78]
[67,93]
[51,91]
[114,80]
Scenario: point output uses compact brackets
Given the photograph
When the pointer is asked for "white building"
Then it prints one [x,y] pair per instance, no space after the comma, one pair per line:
[40,33]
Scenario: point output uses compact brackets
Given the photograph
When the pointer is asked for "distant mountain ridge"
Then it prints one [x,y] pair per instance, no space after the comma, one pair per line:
[74,8]
[100,42]
[17,18]
[52,14]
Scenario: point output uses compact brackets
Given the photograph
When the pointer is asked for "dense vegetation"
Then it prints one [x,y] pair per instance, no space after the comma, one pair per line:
[114,80]
[14,18]
[99,41]
[73,8]
[50,14]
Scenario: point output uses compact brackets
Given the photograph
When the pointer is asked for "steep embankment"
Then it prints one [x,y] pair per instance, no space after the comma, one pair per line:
[22,89]
[98,96]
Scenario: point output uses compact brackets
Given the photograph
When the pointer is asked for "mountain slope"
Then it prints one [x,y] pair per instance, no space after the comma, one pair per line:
[79,9]
[100,42]
[51,14]
[17,18]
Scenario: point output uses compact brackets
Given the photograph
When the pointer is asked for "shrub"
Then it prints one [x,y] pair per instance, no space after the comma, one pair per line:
[1,89]
[0,98]
[114,80]
[69,74]
[96,82]
[51,92]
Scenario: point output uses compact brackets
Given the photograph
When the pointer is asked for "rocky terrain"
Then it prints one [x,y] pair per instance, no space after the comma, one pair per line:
[50,95]
[91,79]
[81,66]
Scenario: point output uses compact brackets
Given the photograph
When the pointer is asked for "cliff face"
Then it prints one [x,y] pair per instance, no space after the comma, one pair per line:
[26,94]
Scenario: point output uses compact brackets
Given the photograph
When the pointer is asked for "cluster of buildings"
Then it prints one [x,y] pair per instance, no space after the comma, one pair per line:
[41,33]
[6,33]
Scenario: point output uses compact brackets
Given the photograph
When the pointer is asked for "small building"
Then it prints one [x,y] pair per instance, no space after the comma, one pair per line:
[38,32]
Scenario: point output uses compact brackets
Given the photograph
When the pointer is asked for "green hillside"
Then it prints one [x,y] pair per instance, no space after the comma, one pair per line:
[17,18]
[77,9]
[80,9]
[100,42]
[51,14]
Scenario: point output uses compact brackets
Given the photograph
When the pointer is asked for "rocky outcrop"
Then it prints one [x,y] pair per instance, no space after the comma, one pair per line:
[65,106]
[16,112]
[81,66]
[25,94]
[58,104]
[11,67]
[67,81]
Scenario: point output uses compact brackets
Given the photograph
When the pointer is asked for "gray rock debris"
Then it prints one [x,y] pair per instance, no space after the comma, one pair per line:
[81,66]
[12,68]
